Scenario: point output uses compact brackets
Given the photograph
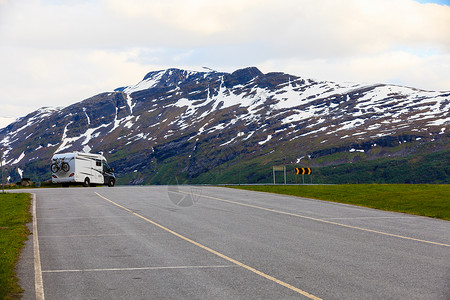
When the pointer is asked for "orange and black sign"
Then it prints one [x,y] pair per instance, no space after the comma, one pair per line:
[303,171]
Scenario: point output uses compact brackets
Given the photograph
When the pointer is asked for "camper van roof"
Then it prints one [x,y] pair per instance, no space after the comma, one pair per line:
[75,154]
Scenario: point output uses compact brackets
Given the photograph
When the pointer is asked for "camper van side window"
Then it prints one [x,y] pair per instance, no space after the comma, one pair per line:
[98,163]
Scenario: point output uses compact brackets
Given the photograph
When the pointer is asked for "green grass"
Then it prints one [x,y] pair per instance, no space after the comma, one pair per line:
[14,214]
[422,199]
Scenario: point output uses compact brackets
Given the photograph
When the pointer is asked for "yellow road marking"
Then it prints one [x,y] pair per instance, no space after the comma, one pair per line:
[287,285]
[322,220]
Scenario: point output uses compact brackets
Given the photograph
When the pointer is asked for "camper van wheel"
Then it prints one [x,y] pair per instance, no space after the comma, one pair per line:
[65,167]
[86,182]
[111,182]
[54,168]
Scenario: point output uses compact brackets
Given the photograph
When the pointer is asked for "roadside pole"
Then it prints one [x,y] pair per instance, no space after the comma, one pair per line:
[1,166]
[240,134]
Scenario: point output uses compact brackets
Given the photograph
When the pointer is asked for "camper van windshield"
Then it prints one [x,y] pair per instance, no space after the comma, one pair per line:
[106,167]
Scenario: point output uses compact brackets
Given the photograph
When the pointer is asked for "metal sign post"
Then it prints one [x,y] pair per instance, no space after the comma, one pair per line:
[1,166]
[279,168]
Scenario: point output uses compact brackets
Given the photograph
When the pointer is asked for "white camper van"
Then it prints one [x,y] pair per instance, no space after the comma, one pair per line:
[86,168]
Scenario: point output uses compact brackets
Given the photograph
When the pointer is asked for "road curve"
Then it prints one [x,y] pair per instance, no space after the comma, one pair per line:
[190,242]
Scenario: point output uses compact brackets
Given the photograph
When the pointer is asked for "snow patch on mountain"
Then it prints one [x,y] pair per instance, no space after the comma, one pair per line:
[21,156]
[144,84]
[20,171]
[269,137]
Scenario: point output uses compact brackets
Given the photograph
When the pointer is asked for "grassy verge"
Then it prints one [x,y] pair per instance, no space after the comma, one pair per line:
[422,199]
[14,214]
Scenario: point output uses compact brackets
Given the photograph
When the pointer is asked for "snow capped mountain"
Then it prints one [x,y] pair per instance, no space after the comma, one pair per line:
[198,121]
[379,108]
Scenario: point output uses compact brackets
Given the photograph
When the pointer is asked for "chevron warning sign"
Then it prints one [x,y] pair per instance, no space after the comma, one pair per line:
[303,171]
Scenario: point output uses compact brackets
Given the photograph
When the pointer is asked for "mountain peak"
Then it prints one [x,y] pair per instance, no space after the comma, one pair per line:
[175,77]
[247,74]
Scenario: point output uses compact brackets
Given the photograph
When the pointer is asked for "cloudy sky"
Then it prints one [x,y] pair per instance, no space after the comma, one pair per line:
[58,52]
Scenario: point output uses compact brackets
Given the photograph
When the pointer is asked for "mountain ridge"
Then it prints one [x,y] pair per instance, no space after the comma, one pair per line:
[201,121]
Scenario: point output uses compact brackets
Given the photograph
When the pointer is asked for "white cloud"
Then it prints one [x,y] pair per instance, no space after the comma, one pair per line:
[329,27]
[62,77]
[397,67]
[405,68]
[195,16]
[59,52]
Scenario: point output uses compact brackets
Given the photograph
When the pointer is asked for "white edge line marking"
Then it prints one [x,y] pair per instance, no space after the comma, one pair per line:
[364,218]
[38,283]
[324,221]
[139,269]
[282,283]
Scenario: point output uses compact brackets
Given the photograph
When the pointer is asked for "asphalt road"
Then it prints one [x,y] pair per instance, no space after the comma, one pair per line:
[186,242]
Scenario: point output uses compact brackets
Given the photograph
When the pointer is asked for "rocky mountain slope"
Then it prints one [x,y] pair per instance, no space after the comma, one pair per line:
[212,127]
